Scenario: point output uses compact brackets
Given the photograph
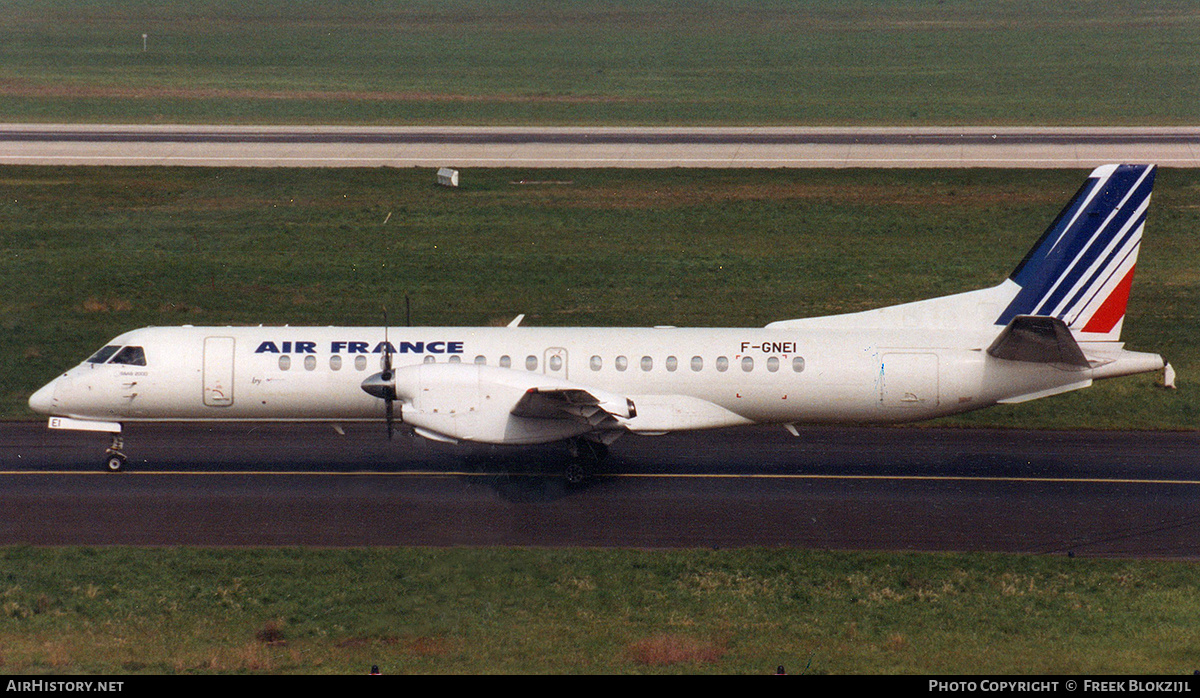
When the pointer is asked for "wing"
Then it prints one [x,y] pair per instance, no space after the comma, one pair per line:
[573,403]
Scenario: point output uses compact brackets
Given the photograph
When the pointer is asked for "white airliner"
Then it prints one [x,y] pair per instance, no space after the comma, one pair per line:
[1053,326]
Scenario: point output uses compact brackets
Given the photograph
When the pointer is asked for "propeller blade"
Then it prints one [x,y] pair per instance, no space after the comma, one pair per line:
[387,345]
[388,377]
[383,386]
[390,424]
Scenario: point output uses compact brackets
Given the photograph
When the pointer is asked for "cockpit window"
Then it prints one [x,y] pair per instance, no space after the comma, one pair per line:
[103,355]
[130,356]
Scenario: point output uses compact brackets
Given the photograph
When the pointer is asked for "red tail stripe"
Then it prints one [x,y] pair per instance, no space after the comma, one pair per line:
[1113,309]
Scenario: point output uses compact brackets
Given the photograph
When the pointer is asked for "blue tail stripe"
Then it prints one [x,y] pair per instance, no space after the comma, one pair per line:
[1075,240]
[1100,287]
[1035,271]
[1036,257]
[1108,268]
[1087,247]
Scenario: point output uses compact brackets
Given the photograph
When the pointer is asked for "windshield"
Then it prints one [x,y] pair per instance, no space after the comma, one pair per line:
[130,356]
[114,354]
[103,355]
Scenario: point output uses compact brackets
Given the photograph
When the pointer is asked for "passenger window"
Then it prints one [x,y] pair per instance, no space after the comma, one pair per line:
[360,363]
[798,364]
[622,363]
[430,358]
[647,363]
[505,361]
[481,360]
[455,359]
[596,363]
[285,362]
[310,362]
[722,364]
[103,355]
[130,356]
[335,362]
[672,363]
[697,363]
[773,364]
[747,363]
[531,363]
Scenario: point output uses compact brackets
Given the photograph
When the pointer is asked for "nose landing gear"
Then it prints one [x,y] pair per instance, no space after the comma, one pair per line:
[114,459]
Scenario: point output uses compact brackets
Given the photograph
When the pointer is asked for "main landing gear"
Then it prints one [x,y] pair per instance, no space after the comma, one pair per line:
[114,459]
[584,456]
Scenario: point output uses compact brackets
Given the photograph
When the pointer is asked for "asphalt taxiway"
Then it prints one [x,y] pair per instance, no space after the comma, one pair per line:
[566,147]
[1118,494]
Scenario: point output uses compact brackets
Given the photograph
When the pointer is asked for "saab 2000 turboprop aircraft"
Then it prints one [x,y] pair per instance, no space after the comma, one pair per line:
[1053,326]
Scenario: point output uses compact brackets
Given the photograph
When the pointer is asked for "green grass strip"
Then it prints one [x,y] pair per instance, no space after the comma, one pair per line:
[843,62]
[463,610]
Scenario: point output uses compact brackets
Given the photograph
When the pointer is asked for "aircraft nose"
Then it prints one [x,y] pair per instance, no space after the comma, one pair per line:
[43,400]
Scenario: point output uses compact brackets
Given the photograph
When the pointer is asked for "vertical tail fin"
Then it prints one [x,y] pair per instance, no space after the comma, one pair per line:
[1081,269]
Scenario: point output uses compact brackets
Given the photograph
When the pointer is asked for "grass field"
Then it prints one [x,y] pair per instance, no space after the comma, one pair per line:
[844,62]
[119,611]
[92,252]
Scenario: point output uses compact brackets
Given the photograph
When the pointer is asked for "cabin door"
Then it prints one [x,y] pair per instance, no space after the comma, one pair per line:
[218,371]
[909,380]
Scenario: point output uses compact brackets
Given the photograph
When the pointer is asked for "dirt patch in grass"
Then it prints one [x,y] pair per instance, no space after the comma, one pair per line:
[668,649]
[271,633]
[106,305]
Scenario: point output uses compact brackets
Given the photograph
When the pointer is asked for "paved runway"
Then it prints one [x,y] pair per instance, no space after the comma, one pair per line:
[329,146]
[1133,494]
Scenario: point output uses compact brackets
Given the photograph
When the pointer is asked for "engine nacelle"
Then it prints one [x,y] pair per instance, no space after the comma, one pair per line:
[468,402]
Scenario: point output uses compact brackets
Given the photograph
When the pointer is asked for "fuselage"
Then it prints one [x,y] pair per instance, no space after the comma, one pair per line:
[678,378]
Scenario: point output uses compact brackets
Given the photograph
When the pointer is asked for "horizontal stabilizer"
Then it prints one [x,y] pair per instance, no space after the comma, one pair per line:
[1038,339]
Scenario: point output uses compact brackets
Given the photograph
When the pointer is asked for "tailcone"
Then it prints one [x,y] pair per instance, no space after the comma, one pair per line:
[1128,363]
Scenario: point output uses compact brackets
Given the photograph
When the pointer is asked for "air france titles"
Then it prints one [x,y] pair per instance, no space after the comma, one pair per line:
[349,347]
